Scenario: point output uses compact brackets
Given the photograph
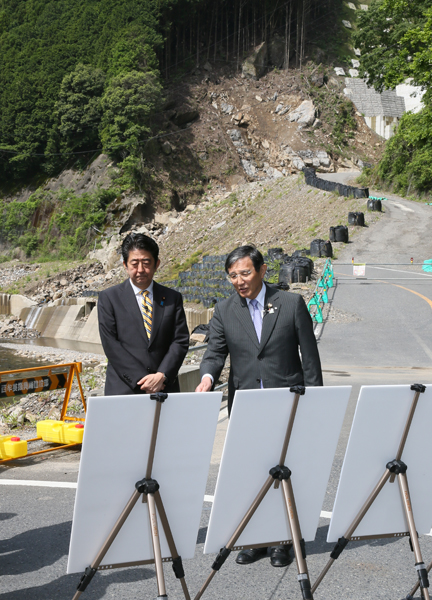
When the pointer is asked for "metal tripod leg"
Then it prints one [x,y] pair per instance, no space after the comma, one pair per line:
[303,575]
[417,585]
[90,571]
[343,541]
[226,551]
[177,562]
[154,529]
[419,565]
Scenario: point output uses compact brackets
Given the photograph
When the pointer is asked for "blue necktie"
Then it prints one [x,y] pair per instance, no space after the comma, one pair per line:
[257,318]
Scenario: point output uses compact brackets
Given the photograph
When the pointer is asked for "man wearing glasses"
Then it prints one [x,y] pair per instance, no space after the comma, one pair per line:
[262,329]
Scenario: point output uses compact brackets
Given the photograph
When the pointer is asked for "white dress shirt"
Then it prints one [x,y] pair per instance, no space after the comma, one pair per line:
[138,296]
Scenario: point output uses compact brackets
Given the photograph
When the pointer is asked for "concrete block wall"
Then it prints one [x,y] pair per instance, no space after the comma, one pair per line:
[13,304]
[195,317]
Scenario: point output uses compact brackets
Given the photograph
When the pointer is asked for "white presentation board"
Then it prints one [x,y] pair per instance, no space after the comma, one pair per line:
[377,428]
[114,457]
[255,437]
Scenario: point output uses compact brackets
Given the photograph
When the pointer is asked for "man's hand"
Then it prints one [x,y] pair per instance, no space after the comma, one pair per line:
[205,385]
[152,383]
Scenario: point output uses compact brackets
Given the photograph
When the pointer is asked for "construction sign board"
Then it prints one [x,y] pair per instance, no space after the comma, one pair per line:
[19,387]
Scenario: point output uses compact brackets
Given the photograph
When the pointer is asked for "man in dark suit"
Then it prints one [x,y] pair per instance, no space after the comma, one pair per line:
[142,326]
[262,329]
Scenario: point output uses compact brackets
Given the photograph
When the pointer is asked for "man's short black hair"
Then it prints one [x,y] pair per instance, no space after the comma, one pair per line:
[244,252]
[139,241]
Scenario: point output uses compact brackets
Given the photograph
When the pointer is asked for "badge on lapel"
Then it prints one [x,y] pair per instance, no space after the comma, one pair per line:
[269,310]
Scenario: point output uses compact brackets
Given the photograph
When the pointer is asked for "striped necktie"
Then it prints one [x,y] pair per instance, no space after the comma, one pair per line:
[147,311]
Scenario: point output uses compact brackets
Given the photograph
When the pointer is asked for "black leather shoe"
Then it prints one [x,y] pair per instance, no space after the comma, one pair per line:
[280,556]
[250,555]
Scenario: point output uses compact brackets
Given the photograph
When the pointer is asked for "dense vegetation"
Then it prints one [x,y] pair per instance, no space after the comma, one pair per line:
[61,225]
[81,76]
[395,38]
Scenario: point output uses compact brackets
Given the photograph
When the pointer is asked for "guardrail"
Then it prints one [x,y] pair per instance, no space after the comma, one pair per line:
[319,296]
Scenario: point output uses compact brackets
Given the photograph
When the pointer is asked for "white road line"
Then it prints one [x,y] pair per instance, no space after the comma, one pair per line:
[398,271]
[69,484]
[33,483]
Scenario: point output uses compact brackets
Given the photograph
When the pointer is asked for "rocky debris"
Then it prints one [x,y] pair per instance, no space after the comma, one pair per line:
[69,284]
[13,327]
[226,108]
[303,114]
[10,275]
[255,65]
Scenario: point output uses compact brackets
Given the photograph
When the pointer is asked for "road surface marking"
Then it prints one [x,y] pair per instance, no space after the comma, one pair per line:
[413,292]
[69,484]
[34,483]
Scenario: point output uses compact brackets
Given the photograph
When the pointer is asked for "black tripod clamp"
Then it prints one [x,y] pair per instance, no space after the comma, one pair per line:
[397,467]
[89,573]
[280,472]
[159,396]
[298,389]
[147,486]
[418,387]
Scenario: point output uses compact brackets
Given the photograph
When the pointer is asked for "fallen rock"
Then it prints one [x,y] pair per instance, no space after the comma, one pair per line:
[255,65]
[185,114]
[303,114]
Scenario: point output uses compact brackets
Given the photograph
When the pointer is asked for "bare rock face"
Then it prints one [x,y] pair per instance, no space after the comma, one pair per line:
[96,176]
[303,114]
[109,255]
[255,65]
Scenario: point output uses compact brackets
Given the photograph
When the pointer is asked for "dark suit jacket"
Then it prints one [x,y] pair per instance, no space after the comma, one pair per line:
[276,359]
[130,354]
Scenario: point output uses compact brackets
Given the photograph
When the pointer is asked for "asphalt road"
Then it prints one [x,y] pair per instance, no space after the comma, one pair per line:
[382,336]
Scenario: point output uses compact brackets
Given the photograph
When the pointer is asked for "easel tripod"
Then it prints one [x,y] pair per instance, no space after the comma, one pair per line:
[279,473]
[394,468]
[149,489]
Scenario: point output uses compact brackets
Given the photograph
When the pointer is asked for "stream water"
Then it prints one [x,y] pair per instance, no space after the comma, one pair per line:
[9,360]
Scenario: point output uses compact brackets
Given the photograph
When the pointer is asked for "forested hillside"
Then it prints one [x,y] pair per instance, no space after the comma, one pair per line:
[83,76]
[395,38]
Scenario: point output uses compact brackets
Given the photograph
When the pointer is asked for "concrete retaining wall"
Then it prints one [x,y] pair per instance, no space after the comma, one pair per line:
[195,317]
[13,304]
[333,186]
[65,322]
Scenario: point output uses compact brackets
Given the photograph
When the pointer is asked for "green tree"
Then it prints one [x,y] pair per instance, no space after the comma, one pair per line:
[128,104]
[395,40]
[78,108]
[134,51]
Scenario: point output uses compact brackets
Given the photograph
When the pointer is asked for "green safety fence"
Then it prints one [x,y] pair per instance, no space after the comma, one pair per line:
[320,297]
